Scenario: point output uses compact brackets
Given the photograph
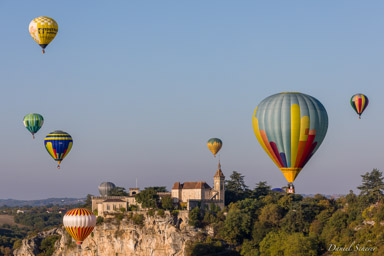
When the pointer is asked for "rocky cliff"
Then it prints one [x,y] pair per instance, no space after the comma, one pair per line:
[156,236]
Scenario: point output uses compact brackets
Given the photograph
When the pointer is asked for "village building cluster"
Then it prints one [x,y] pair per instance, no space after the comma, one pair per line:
[187,195]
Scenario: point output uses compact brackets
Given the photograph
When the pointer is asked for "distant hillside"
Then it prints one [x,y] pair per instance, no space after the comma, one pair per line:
[41,202]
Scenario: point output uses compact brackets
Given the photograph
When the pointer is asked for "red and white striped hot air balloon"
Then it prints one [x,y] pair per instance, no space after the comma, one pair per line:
[79,223]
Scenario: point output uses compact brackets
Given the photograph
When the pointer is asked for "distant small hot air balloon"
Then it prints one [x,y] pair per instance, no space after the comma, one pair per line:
[105,188]
[58,145]
[33,123]
[359,103]
[290,127]
[214,145]
[43,30]
[79,223]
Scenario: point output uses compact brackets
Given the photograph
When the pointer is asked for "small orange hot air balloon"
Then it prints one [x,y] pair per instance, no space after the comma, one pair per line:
[79,223]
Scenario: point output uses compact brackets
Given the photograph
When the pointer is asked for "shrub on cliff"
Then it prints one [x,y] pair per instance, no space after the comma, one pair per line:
[195,218]
[138,219]
[47,246]
[161,213]
[99,220]
[167,203]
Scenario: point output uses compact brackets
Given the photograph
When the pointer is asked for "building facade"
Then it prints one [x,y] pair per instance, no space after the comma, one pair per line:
[199,193]
[188,195]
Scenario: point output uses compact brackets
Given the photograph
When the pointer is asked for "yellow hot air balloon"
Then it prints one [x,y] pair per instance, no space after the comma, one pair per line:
[214,145]
[43,30]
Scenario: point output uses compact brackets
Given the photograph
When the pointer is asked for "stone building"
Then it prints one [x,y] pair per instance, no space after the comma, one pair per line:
[199,193]
[112,204]
[188,195]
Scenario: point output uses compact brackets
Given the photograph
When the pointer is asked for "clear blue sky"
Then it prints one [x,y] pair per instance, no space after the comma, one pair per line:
[142,85]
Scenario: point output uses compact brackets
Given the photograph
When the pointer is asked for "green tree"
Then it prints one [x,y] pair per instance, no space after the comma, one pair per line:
[372,185]
[166,203]
[280,243]
[88,202]
[235,188]
[271,215]
[261,189]
[47,246]
[118,191]
[148,198]
[237,226]
[195,218]
[157,189]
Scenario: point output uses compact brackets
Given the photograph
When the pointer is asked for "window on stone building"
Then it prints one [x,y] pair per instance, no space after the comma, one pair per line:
[108,208]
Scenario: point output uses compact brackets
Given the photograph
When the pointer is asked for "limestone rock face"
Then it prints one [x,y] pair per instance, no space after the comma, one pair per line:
[31,246]
[158,236]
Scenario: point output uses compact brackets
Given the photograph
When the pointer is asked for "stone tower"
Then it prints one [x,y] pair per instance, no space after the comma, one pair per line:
[218,185]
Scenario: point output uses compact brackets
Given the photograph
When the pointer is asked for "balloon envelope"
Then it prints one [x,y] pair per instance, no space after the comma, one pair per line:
[359,103]
[79,223]
[58,145]
[290,127]
[105,188]
[214,145]
[43,30]
[33,122]
[278,190]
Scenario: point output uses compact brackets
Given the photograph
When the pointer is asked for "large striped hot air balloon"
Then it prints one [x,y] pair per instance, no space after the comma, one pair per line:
[58,145]
[43,30]
[359,103]
[214,145]
[79,223]
[290,127]
[33,123]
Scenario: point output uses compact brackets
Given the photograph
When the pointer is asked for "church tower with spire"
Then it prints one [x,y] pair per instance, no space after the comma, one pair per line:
[218,186]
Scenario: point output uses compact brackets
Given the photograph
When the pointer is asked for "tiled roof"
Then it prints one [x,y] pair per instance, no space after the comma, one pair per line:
[114,201]
[219,173]
[191,185]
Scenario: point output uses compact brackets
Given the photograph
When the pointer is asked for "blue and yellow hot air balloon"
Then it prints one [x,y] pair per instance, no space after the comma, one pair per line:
[290,127]
[33,123]
[214,145]
[58,145]
[359,103]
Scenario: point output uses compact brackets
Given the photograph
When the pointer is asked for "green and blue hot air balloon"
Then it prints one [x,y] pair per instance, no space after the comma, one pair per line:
[290,127]
[33,123]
